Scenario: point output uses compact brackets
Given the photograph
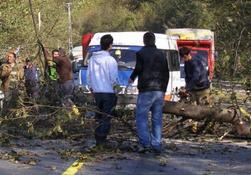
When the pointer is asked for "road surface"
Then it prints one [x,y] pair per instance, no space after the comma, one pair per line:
[180,157]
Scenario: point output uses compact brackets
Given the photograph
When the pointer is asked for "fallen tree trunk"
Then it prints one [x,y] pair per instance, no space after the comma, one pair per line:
[194,112]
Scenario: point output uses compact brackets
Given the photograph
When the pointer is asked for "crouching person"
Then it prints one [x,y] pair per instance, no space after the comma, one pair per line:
[102,76]
[31,79]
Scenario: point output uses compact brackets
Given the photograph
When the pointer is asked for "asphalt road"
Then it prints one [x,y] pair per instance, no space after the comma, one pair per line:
[179,158]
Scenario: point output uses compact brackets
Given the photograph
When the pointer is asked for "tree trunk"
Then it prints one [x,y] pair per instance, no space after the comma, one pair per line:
[201,112]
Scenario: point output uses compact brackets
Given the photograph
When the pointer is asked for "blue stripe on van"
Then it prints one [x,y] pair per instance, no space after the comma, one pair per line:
[124,75]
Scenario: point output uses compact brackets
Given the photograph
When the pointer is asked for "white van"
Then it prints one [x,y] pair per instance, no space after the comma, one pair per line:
[125,46]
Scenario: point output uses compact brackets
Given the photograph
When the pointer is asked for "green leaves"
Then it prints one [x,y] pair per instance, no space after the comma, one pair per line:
[227,19]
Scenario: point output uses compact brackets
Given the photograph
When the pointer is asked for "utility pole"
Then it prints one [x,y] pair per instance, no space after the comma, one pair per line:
[39,21]
[70,46]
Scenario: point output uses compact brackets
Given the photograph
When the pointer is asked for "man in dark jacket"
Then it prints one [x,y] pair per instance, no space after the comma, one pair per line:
[153,76]
[197,82]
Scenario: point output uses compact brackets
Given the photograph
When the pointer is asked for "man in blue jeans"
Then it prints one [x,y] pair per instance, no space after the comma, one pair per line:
[153,76]
[102,79]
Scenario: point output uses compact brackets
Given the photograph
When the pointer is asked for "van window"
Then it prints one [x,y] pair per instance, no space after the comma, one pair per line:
[126,58]
[173,60]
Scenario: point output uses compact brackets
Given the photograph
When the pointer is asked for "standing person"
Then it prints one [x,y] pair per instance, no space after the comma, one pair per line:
[31,79]
[65,77]
[6,70]
[153,76]
[65,80]
[196,77]
[102,77]
[52,71]
[51,75]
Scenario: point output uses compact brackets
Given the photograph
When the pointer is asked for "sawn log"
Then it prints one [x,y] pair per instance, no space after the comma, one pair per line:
[195,112]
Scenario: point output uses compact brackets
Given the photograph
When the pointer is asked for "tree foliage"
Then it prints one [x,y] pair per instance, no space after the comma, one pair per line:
[233,34]
[231,21]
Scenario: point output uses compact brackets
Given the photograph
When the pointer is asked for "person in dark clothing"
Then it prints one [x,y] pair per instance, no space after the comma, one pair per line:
[196,77]
[31,79]
[153,76]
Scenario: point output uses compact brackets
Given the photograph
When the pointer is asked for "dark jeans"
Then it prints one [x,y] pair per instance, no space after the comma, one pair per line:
[32,89]
[106,103]
[66,89]
[65,92]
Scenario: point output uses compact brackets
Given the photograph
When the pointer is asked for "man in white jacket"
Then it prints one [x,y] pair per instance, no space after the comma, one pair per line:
[102,78]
